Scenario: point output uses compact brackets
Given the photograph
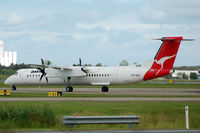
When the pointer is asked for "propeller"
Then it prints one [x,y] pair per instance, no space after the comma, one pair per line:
[82,68]
[42,70]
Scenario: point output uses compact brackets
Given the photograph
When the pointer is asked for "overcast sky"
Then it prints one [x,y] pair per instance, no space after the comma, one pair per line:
[105,31]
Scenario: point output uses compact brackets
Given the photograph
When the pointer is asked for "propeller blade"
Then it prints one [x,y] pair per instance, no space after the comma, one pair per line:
[83,70]
[42,76]
[80,61]
[47,79]
[42,61]
[48,63]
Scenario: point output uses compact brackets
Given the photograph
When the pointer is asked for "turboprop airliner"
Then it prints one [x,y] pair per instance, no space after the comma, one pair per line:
[47,74]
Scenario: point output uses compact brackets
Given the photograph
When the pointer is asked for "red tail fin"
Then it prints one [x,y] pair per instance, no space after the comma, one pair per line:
[165,57]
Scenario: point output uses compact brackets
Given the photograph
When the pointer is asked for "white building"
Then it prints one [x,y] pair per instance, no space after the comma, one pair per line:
[179,73]
[14,57]
[7,57]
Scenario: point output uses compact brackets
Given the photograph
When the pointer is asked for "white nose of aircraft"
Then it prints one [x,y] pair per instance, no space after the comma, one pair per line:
[7,81]
[10,80]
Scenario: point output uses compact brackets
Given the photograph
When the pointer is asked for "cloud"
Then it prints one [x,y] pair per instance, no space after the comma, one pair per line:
[15,18]
[39,37]
[170,11]
[117,28]
[129,24]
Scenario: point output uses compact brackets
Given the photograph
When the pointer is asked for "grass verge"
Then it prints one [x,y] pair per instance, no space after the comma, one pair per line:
[27,116]
[153,114]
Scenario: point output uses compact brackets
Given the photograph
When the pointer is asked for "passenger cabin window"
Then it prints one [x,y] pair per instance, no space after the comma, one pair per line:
[98,75]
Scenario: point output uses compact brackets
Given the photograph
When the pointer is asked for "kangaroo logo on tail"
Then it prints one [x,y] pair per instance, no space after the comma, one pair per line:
[162,61]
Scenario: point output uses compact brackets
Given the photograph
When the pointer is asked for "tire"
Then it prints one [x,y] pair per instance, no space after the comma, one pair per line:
[104,89]
[69,89]
[13,88]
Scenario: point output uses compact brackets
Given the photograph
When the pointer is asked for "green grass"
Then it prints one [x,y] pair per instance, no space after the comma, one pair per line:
[27,116]
[153,114]
[28,95]
[3,77]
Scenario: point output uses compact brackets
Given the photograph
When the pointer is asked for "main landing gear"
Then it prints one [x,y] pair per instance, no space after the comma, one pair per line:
[69,88]
[13,87]
[104,89]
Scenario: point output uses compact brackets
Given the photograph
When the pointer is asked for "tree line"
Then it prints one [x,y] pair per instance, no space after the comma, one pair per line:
[12,68]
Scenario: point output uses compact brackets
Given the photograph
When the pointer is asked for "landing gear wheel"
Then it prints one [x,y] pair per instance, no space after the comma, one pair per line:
[104,89]
[69,89]
[13,87]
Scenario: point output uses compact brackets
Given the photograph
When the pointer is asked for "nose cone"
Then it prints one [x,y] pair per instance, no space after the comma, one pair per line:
[7,81]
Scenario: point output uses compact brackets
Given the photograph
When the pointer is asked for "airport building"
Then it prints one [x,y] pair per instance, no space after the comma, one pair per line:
[179,73]
[7,57]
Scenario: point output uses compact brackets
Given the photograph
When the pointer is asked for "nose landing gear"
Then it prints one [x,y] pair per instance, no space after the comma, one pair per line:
[13,87]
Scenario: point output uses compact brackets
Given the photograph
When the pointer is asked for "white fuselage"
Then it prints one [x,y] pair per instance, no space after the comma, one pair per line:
[95,76]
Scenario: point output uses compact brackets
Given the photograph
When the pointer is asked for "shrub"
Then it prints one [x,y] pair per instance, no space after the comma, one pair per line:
[28,116]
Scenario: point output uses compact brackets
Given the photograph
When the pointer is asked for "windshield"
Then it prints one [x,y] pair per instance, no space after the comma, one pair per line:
[16,73]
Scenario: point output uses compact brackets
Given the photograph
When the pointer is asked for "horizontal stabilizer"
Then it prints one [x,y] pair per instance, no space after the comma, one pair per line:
[171,39]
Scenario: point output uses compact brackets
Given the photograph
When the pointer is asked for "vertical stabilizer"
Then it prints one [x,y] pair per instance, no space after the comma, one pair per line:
[165,57]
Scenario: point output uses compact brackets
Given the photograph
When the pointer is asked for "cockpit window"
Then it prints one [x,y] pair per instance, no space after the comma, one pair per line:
[16,73]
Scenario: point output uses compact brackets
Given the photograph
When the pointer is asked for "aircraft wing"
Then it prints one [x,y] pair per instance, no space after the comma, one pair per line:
[64,72]
[61,68]
[49,66]
[59,71]
[69,71]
